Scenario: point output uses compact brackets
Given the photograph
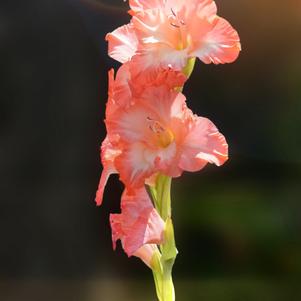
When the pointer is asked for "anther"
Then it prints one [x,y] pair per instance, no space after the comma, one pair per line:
[175,25]
[173,12]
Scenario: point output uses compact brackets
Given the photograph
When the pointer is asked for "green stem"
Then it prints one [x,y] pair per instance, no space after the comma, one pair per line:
[164,285]
[164,261]
[168,291]
[187,70]
[163,196]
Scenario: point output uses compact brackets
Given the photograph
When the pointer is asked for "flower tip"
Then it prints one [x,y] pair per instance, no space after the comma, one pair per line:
[107,37]
[131,12]
[221,157]
[98,197]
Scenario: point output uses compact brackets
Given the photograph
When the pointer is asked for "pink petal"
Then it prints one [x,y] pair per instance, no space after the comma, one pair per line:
[220,45]
[109,152]
[160,55]
[122,43]
[130,124]
[138,224]
[164,102]
[140,5]
[147,229]
[146,253]
[208,7]
[154,77]
[203,144]
[189,8]
[102,183]
[205,8]
[135,164]
[131,80]
[120,95]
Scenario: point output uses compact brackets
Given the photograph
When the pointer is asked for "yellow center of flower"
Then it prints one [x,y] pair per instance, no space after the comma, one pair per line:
[163,136]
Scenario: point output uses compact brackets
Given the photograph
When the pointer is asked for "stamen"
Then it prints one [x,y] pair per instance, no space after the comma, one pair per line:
[161,128]
[174,20]
[163,135]
[173,12]
[175,25]
[155,126]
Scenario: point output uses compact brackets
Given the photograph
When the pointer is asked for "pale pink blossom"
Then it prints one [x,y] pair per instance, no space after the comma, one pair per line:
[168,33]
[122,92]
[158,133]
[139,226]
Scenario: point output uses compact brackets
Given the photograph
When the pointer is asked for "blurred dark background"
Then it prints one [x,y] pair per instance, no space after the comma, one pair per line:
[237,227]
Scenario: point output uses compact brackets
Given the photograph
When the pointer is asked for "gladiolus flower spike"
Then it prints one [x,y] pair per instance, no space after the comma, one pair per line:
[152,135]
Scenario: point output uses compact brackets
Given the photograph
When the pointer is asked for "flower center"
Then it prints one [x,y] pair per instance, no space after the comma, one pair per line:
[163,136]
[178,23]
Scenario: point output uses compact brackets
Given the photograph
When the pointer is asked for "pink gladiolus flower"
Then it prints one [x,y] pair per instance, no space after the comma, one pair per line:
[121,92]
[158,133]
[152,136]
[167,33]
[139,226]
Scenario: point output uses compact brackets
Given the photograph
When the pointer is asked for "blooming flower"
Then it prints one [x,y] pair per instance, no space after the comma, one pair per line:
[121,95]
[152,136]
[154,131]
[139,226]
[168,33]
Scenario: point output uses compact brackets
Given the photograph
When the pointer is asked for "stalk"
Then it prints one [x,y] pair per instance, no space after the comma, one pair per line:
[163,261]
